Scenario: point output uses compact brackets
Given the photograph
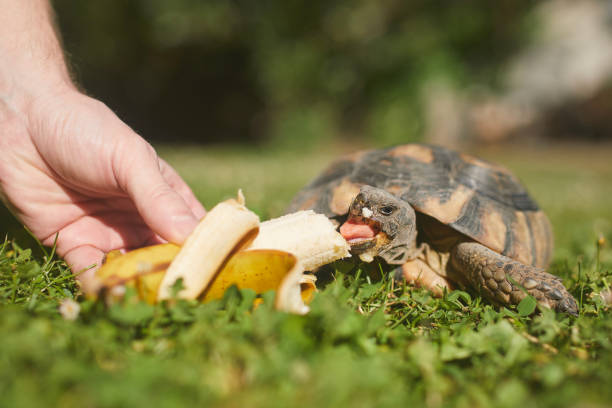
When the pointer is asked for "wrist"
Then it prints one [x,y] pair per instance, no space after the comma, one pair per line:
[21,87]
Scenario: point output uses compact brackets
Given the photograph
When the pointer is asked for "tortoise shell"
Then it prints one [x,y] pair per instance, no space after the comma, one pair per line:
[481,200]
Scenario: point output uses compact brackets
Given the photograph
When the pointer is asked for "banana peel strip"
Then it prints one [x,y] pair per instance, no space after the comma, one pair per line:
[217,255]
[227,228]
[263,270]
[119,269]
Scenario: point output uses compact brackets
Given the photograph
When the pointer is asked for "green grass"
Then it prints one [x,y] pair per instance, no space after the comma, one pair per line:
[366,342]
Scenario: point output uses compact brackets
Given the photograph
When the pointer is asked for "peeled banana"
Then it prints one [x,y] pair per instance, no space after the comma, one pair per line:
[230,247]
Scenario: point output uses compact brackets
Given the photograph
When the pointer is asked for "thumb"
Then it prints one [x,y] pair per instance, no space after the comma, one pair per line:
[161,207]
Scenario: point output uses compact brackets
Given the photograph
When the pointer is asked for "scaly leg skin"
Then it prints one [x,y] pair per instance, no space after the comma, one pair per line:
[489,272]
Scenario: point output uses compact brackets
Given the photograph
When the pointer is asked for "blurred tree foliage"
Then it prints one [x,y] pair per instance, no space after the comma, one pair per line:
[290,72]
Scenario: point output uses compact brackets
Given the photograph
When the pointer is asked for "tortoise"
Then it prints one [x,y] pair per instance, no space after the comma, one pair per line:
[446,219]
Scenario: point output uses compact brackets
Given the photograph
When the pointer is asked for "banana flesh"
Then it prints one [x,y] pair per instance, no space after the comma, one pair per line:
[310,236]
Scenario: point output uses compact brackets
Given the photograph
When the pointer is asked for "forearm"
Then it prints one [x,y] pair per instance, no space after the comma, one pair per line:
[31,57]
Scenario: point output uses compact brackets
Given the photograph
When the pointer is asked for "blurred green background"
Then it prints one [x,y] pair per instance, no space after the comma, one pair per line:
[300,73]
[291,73]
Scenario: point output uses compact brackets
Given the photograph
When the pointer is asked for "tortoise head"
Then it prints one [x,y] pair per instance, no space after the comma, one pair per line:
[380,224]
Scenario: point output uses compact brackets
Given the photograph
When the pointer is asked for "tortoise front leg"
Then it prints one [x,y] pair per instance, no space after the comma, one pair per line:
[418,273]
[493,274]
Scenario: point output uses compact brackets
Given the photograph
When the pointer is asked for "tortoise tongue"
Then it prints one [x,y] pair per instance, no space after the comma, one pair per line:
[351,230]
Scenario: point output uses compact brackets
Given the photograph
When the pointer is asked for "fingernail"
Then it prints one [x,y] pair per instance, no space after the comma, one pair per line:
[183,225]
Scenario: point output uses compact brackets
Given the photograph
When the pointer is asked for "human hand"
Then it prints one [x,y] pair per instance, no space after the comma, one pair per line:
[69,166]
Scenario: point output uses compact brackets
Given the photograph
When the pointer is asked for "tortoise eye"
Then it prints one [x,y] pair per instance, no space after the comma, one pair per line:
[387,210]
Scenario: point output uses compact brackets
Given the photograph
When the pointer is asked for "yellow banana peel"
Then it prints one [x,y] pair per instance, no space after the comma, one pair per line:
[120,268]
[260,270]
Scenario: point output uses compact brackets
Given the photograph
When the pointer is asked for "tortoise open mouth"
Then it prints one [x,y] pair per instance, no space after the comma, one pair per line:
[361,234]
